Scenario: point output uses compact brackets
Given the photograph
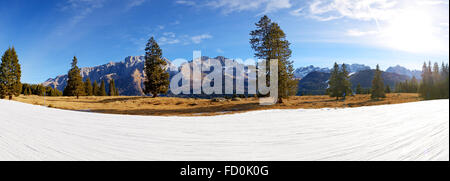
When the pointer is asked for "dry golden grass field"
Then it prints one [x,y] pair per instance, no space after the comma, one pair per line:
[169,106]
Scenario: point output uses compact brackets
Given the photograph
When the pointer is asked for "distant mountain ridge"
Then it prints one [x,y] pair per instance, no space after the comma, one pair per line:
[301,72]
[404,71]
[316,83]
[128,75]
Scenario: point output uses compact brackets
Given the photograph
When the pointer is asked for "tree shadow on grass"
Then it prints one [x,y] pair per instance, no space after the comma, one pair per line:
[365,103]
[192,111]
[120,99]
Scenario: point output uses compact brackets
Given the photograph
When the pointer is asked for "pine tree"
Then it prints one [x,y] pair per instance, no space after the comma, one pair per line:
[27,91]
[414,85]
[95,89]
[88,87]
[344,82]
[75,85]
[112,88]
[116,92]
[387,90]
[359,89]
[445,81]
[377,85]
[40,90]
[427,81]
[156,78]
[333,83]
[269,43]
[102,90]
[10,74]
[58,93]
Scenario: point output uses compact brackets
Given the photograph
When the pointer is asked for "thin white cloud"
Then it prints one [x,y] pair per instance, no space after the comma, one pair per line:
[168,41]
[357,33]
[175,22]
[298,12]
[183,2]
[199,38]
[432,2]
[81,8]
[220,51]
[134,3]
[171,38]
[366,10]
[230,6]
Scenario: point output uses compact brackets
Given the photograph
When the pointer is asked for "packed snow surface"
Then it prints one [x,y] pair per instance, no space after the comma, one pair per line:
[411,131]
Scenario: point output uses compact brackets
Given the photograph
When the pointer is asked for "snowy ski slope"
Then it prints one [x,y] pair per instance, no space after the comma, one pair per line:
[411,131]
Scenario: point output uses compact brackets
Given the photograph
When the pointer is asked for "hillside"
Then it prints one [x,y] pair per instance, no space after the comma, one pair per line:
[315,83]
[411,131]
[301,72]
[128,75]
[365,78]
[404,71]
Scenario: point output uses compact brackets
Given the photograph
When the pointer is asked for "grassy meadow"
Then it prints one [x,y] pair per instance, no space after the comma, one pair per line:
[170,106]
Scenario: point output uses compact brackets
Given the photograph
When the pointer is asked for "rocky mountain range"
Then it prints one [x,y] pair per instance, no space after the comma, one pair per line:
[404,71]
[129,75]
[316,83]
[301,72]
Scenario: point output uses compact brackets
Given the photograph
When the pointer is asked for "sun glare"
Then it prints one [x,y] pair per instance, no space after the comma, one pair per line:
[412,30]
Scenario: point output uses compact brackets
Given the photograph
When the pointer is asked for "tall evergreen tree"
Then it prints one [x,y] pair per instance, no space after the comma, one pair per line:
[344,82]
[27,91]
[10,74]
[333,83]
[378,85]
[112,88]
[414,85]
[434,81]
[95,89]
[388,89]
[75,85]
[427,81]
[359,89]
[88,87]
[269,42]
[156,78]
[102,90]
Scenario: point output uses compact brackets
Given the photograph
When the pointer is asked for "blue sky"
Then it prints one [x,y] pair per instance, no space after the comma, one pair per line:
[48,33]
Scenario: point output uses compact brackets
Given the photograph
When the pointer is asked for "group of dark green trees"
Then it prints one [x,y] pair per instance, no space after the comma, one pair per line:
[76,87]
[339,85]
[10,74]
[40,90]
[361,90]
[435,81]
[408,86]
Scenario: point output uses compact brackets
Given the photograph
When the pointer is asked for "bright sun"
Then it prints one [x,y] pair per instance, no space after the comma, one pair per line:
[412,30]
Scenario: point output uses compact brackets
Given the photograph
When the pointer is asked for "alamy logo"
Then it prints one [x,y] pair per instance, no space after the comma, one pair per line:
[213,76]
